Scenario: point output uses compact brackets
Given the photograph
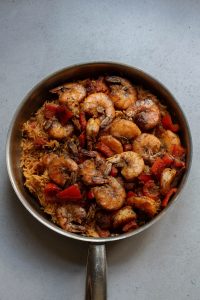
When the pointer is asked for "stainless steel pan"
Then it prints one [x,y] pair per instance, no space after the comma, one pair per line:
[96,262]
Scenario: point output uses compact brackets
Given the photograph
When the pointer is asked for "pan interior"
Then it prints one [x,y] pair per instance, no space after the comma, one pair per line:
[39,94]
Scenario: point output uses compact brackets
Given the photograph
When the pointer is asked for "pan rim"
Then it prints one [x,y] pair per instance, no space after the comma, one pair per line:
[48,223]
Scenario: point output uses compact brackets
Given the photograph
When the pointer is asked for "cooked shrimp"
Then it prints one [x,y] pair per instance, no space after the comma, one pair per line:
[103,166]
[167,177]
[121,128]
[110,196]
[90,174]
[57,131]
[100,105]
[169,139]
[67,91]
[60,169]
[146,204]
[95,86]
[92,128]
[71,217]
[100,163]
[71,94]
[122,93]
[112,143]
[132,163]
[145,113]
[147,145]
[123,216]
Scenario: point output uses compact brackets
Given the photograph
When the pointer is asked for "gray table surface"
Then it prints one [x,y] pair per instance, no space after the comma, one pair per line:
[40,37]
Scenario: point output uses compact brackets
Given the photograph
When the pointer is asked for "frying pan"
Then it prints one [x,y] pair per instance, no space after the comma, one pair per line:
[96,261]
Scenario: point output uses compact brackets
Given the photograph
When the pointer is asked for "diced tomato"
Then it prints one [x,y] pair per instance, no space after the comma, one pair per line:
[178,151]
[50,110]
[82,139]
[113,171]
[168,196]
[71,193]
[128,147]
[39,142]
[90,195]
[150,189]
[104,149]
[82,120]
[33,124]
[60,111]
[130,226]
[168,124]
[177,163]
[50,192]
[144,177]
[130,194]
[167,160]
[160,164]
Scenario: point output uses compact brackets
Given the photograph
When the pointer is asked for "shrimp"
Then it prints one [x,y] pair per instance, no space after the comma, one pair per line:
[67,91]
[122,93]
[90,174]
[169,139]
[167,177]
[145,113]
[60,168]
[121,128]
[71,217]
[95,86]
[71,94]
[92,128]
[112,143]
[57,131]
[100,104]
[147,145]
[100,163]
[145,204]
[123,216]
[131,162]
[110,196]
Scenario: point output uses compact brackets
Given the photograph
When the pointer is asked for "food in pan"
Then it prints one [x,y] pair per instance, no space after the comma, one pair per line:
[102,156]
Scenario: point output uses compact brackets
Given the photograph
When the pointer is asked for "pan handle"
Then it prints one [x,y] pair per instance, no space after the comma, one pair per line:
[96,288]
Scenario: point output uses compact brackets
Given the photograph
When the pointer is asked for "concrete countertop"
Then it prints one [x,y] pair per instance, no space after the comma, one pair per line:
[40,37]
